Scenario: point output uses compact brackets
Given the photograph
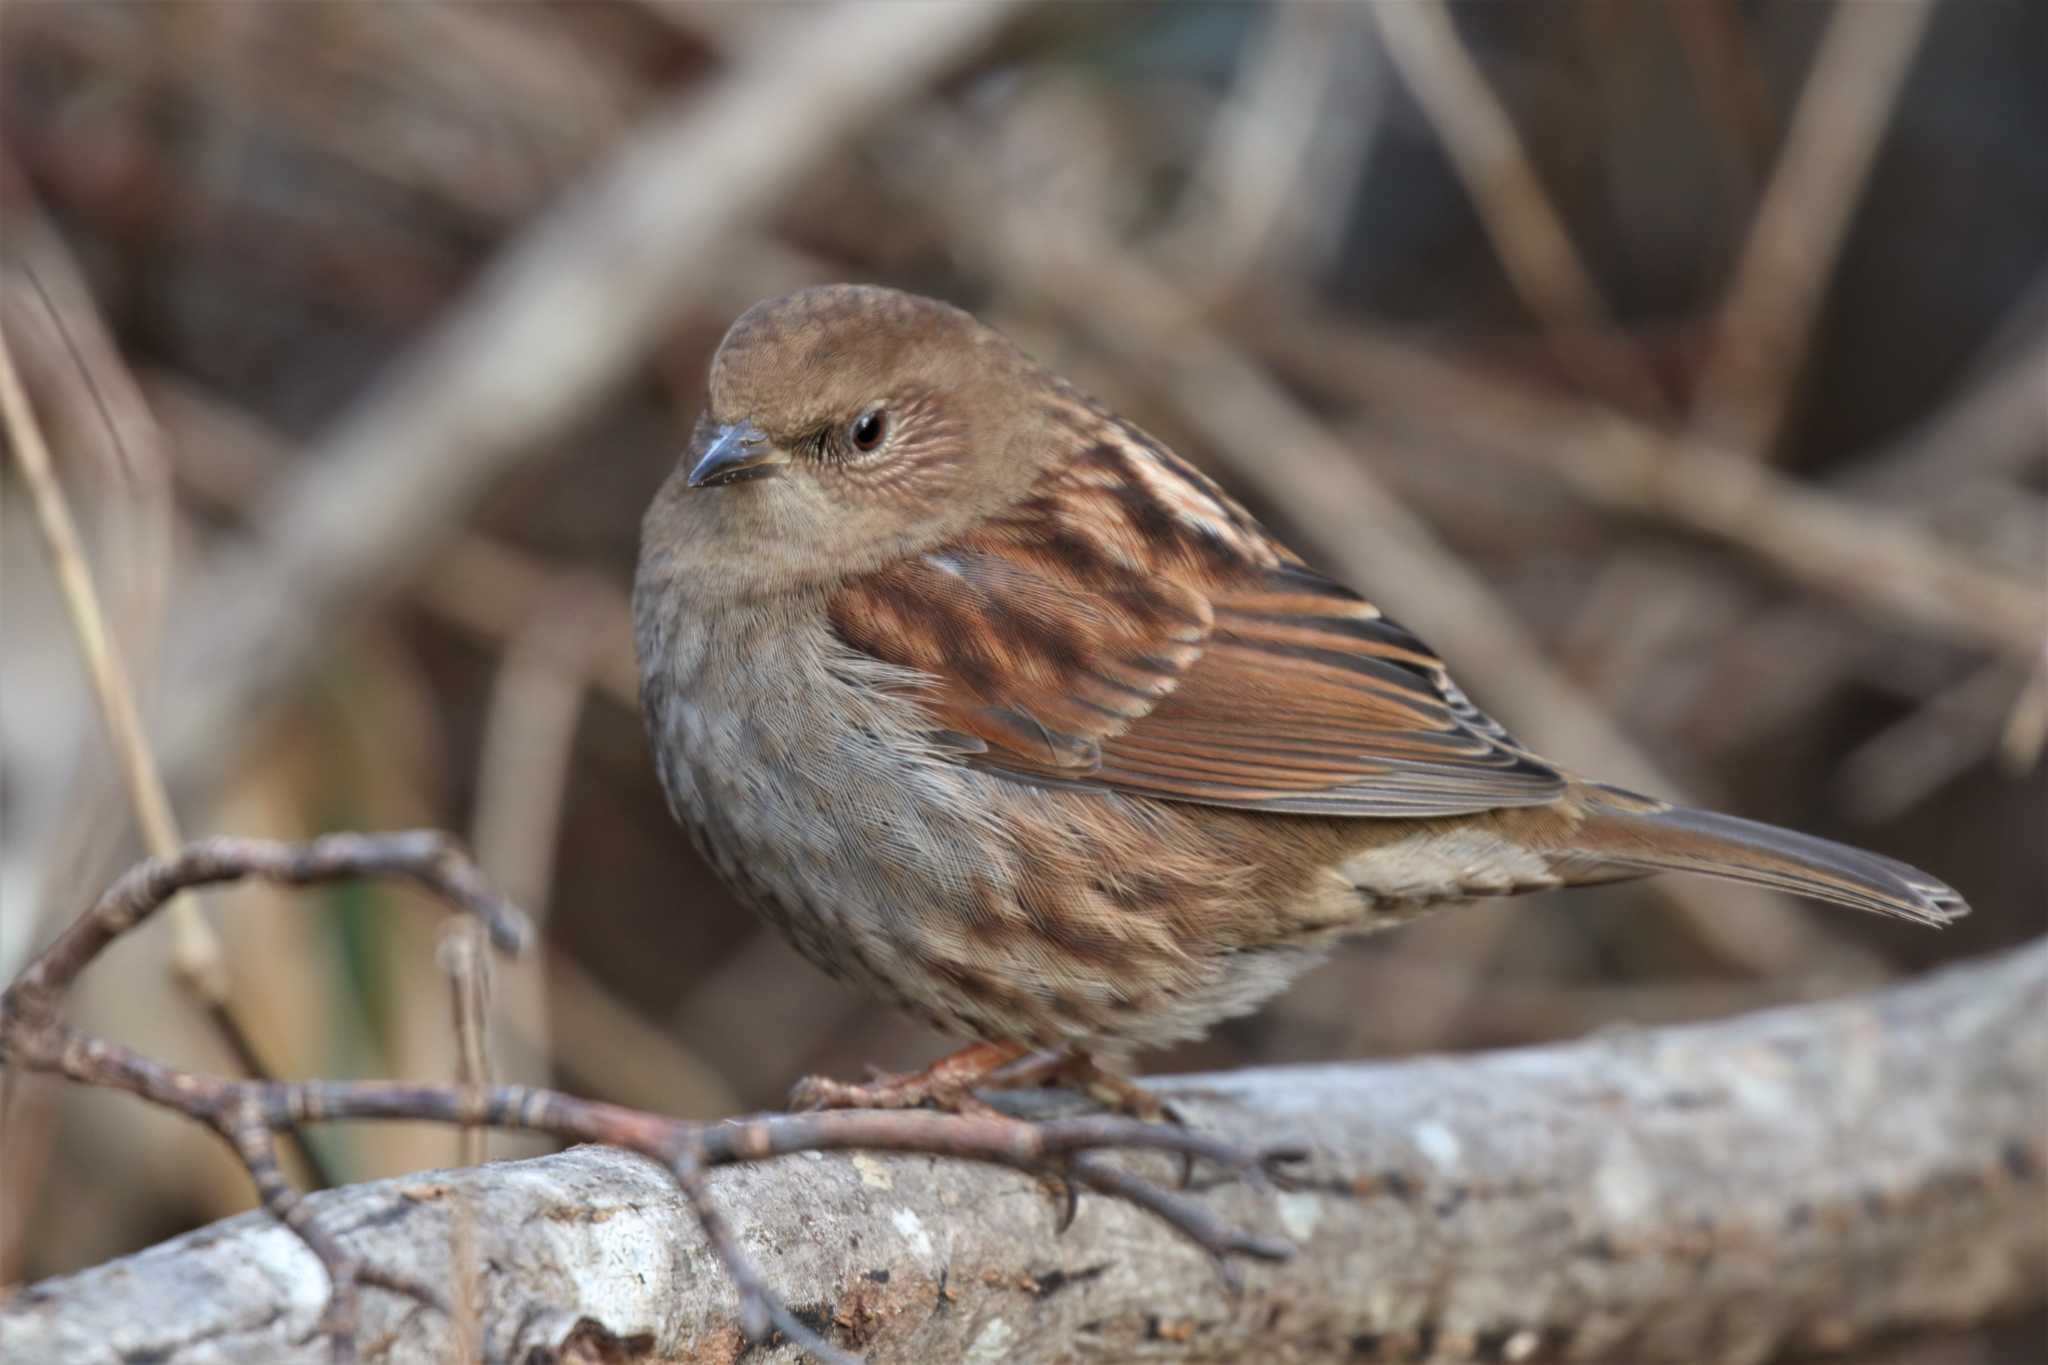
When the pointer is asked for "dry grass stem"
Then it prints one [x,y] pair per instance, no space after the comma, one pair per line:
[195,953]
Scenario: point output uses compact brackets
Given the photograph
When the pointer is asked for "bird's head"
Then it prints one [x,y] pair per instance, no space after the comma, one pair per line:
[846,426]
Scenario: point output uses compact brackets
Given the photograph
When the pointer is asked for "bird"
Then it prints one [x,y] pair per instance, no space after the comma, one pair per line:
[1004,713]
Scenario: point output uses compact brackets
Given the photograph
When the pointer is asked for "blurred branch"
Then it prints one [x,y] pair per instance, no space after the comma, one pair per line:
[608,1048]
[1250,188]
[1528,232]
[1996,428]
[1715,1194]
[1896,768]
[1762,334]
[2026,726]
[475,582]
[1824,543]
[529,734]
[1729,83]
[556,320]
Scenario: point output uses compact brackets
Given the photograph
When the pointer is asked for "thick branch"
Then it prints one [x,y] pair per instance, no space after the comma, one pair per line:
[1795,1180]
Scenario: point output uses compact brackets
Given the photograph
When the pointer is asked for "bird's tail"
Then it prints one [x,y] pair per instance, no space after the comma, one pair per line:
[1623,830]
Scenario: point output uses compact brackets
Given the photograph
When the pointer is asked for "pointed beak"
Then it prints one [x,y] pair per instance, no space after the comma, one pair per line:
[735,453]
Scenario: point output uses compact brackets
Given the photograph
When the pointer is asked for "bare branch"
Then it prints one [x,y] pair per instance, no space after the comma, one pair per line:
[1718,1195]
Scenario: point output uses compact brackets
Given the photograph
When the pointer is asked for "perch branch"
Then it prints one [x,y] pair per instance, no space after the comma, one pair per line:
[1790,1182]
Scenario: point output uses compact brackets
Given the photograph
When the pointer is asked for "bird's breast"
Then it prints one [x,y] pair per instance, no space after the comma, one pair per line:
[812,789]
[812,779]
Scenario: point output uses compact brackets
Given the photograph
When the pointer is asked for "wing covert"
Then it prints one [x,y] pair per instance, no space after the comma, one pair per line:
[1094,638]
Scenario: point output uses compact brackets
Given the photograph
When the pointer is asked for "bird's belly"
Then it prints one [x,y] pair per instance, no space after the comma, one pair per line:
[983,906]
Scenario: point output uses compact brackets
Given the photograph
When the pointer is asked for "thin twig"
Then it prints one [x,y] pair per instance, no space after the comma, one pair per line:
[470,979]
[522,778]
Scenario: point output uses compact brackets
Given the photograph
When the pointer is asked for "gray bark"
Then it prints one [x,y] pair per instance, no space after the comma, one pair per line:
[1792,1181]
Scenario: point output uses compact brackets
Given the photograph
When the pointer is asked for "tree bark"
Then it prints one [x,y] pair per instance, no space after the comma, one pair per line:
[1793,1181]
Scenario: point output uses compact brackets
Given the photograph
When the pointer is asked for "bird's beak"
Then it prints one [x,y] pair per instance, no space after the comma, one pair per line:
[736,452]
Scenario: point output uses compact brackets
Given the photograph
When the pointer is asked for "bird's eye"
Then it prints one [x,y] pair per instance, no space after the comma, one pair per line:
[869,428]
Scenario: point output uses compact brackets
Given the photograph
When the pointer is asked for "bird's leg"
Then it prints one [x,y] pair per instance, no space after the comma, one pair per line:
[1075,1069]
[948,1084]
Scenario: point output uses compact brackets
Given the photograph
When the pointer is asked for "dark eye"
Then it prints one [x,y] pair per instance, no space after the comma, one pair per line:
[869,428]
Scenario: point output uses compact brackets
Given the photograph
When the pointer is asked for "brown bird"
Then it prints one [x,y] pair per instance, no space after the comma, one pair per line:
[1004,712]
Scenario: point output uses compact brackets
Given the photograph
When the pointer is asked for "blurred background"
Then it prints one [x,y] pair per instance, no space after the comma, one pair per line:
[1679,371]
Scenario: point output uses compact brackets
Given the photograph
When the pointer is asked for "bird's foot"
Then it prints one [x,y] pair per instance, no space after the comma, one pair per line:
[947,1084]
[1074,1069]
[950,1083]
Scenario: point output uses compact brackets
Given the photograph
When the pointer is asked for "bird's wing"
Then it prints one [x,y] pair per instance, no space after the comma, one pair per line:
[1128,628]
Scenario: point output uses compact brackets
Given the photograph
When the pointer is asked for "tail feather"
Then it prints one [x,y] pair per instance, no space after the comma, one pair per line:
[1675,839]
